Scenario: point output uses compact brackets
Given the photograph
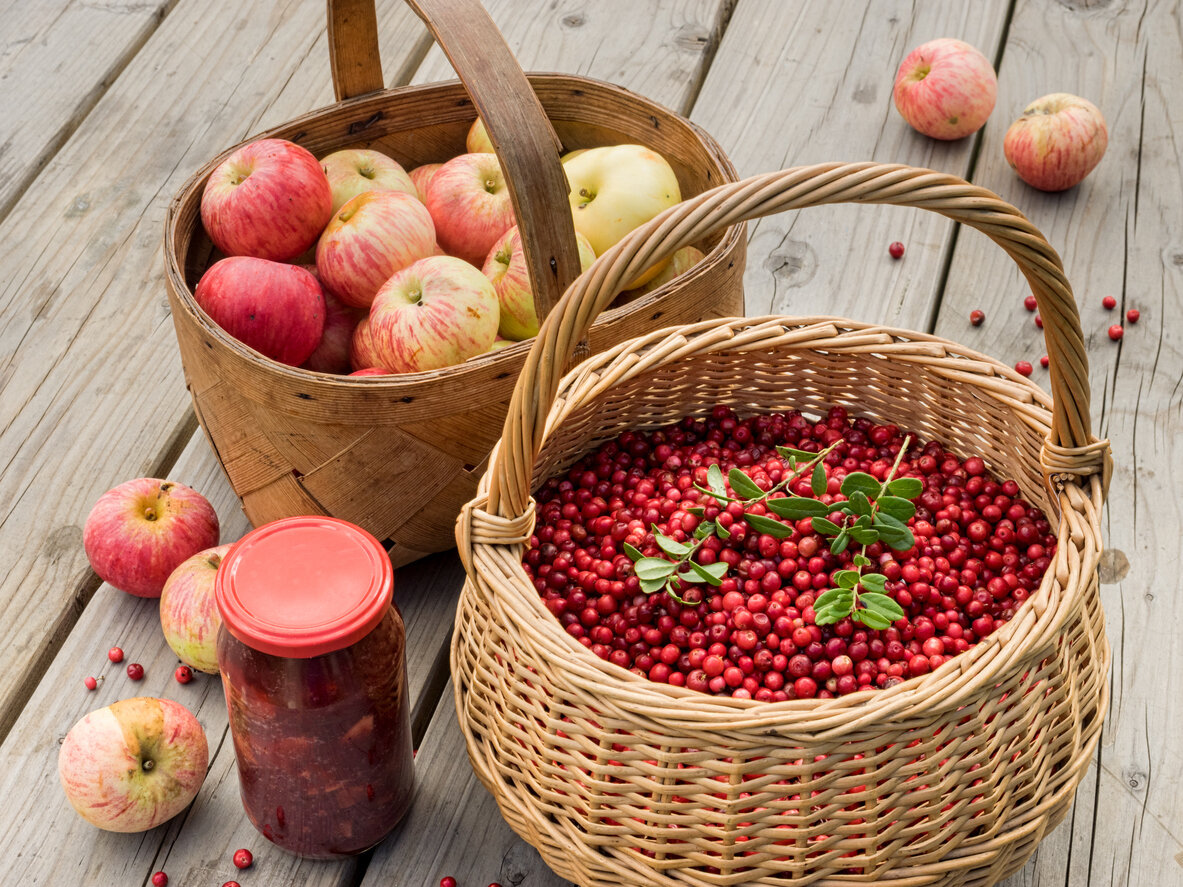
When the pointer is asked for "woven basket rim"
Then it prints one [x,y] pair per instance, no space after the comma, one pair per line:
[816,718]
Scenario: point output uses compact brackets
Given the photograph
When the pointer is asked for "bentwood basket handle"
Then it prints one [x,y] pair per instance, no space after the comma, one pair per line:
[1071,443]
[522,136]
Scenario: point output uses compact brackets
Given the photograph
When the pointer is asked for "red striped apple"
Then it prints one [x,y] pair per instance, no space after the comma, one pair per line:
[361,349]
[1057,141]
[616,188]
[133,765]
[506,269]
[269,199]
[422,176]
[436,313]
[332,354]
[470,205]
[945,89]
[372,236]
[140,531]
[275,308]
[353,171]
[188,613]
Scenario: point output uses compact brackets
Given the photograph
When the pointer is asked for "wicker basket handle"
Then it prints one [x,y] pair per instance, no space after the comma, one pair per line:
[1071,444]
[526,144]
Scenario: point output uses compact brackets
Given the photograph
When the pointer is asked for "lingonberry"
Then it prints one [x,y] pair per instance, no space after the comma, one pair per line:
[1109,303]
[1039,321]
[1116,332]
[231,884]
[90,682]
[447,881]
[183,674]
[135,671]
[896,249]
[159,879]
[977,317]
[1023,368]
[1044,361]
[243,858]
[115,654]
[1132,315]
[1030,304]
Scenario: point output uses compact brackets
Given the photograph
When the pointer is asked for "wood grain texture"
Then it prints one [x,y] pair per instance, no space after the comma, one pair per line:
[797,83]
[57,59]
[1118,232]
[92,389]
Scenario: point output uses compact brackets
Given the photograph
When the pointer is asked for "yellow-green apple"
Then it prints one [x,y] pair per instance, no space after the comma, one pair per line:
[188,613]
[436,313]
[362,355]
[422,175]
[616,188]
[470,205]
[133,765]
[354,170]
[945,88]
[138,532]
[680,262]
[332,354]
[1057,141]
[477,140]
[269,199]
[506,269]
[368,239]
[276,308]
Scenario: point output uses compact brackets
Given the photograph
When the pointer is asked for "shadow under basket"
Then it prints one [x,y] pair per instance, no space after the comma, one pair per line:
[947,779]
[399,454]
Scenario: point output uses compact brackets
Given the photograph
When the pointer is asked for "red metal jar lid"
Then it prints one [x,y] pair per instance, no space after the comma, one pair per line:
[304,586]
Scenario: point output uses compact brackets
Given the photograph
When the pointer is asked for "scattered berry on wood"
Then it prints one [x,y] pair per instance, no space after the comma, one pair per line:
[977,316]
[90,682]
[1109,303]
[183,674]
[159,879]
[115,654]
[1023,368]
[1044,361]
[135,671]
[1116,332]
[1030,304]
[896,250]
[243,858]
[1132,315]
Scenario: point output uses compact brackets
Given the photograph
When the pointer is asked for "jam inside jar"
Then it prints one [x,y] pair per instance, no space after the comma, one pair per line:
[312,656]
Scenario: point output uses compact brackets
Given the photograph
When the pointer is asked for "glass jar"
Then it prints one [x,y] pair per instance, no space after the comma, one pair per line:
[313,663]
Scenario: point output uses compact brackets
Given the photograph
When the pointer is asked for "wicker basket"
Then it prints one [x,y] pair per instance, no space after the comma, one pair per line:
[399,455]
[948,779]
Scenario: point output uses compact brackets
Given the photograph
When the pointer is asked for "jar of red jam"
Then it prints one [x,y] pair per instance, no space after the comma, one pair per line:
[313,663]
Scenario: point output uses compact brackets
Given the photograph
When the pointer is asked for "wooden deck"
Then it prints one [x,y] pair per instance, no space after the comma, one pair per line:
[107,106]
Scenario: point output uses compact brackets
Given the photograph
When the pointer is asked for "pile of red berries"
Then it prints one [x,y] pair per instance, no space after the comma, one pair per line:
[980,550]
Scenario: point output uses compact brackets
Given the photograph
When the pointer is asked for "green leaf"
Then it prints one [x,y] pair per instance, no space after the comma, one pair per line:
[632,552]
[841,541]
[864,535]
[906,487]
[882,605]
[654,568]
[771,526]
[894,532]
[798,455]
[817,483]
[874,582]
[722,532]
[828,617]
[846,578]
[649,586]
[712,574]
[743,485]
[825,527]
[696,510]
[797,507]
[871,619]
[901,509]
[861,560]
[831,598]
[706,528]
[860,504]
[715,480]
[670,546]
[860,482]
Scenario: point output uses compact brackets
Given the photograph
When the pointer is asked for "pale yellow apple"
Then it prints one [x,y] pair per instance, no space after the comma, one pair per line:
[354,170]
[477,140]
[615,189]
[680,262]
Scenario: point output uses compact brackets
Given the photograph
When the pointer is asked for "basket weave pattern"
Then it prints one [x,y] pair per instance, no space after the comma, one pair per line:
[949,779]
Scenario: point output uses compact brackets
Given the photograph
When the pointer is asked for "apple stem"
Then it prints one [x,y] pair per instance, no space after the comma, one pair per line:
[148,764]
[150,513]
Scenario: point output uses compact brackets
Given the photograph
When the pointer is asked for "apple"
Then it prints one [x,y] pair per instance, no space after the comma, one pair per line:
[140,531]
[368,239]
[362,355]
[477,139]
[506,269]
[680,262]
[945,89]
[275,308]
[616,188]
[470,205]
[1057,141]
[354,170]
[422,176]
[332,354]
[133,765]
[371,371]
[188,614]
[436,313]
[269,199]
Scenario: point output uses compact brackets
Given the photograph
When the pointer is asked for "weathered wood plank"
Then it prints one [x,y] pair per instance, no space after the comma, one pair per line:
[92,389]
[799,83]
[56,60]
[1118,233]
